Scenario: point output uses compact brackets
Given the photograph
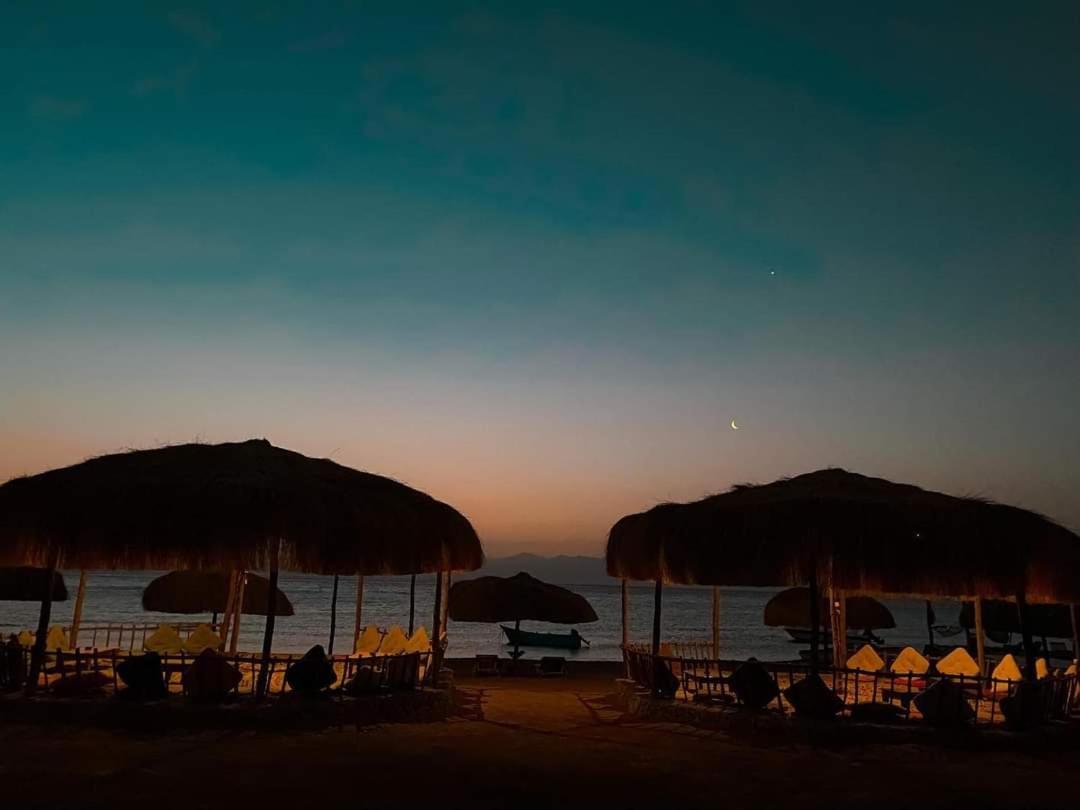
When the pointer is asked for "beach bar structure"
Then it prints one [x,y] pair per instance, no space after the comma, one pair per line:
[227,507]
[838,533]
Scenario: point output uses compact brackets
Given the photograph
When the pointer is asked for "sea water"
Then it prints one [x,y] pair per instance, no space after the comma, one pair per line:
[115,596]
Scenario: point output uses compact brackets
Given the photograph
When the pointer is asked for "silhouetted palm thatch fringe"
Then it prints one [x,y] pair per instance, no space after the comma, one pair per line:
[208,592]
[23,583]
[517,598]
[222,507]
[791,608]
[858,533]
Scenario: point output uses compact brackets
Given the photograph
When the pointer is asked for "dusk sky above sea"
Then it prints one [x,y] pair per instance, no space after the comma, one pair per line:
[534,261]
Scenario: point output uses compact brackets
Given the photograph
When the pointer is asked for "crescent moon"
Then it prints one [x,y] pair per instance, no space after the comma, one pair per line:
[733,425]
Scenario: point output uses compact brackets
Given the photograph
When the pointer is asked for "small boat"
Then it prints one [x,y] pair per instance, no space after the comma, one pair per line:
[525,638]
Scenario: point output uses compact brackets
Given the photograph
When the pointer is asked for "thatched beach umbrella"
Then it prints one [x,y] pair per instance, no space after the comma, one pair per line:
[208,592]
[247,505]
[851,533]
[791,608]
[24,583]
[517,598]
[999,616]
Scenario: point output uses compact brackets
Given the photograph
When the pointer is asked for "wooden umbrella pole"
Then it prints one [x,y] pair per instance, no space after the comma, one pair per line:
[412,603]
[815,621]
[333,616]
[37,655]
[226,617]
[1076,632]
[625,613]
[980,640]
[238,609]
[658,598]
[357,623]
[268,634]
[1025,632]
[716,621]
[76,616]
[436,633]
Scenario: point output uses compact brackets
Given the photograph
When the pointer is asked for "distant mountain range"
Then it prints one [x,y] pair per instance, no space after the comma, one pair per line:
[562,569]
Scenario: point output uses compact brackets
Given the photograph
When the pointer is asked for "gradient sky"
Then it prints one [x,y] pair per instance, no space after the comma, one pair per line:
[535,263]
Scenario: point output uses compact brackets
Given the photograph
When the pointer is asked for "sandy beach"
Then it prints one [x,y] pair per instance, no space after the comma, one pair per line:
[512,742]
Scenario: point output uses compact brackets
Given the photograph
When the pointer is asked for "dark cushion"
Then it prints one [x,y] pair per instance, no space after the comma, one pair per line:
[753,685]
[311,674]
[83,684]
[210,677]
[143,676]
[811,697]
[943,703]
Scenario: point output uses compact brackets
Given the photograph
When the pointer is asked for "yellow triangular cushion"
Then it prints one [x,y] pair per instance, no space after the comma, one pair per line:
[394,643]
[958,662]
[866,659]
[1071,669]
[57,639]
[418,642]
[910,661]
[164,640]
[1041,669]
[1006,670]
[202,638]
[369,641]
[26,638]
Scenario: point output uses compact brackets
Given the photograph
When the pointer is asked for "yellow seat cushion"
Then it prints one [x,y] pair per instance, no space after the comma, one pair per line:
[202,638]
[910,662]
[164,640]
[26,638]
[57,639]
[418,641]
[958,662]
[394,642]
[866,659]
[369,641]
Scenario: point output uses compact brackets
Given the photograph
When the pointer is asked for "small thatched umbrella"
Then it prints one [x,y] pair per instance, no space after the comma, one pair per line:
[24,583]
[999,616]
[208,592]
[247,505]
[791,608]
[851,533]
[517,598]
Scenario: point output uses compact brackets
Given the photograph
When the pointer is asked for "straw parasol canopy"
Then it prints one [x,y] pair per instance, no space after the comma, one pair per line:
[517,598]
[852,532]
[791,608]
[24,583]
[999,616]
[208,592]
[223,507]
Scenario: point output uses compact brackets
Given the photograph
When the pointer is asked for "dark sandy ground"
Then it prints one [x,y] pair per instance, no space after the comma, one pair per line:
[512,743]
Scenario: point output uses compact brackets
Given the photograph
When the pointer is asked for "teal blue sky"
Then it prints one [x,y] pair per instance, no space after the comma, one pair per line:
[535,261]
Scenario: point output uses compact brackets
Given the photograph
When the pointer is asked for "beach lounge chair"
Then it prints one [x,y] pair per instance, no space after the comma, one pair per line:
[909,667]
[394,642]
[402,671]
[866,660]
[486,665]
[958,662]
[26,638]
[418,642]
[552,666]
[202,638]
[1005,676]
[57,639]
[164,640]
[910,662]
[312,674]
[1042,669]
[369,641]
[210,677]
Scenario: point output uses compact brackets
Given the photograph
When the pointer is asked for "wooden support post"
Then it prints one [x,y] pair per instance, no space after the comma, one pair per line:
[333,616]
[358,621]
[625,613]
[436,633]
[226,617]
[446,606]
[1076,632]
[268,633]
[980,638]
[815,621]
[412,604]
[37,655]
[1025,632]
[658,598]
[76,616]
[238,609]
[716,621]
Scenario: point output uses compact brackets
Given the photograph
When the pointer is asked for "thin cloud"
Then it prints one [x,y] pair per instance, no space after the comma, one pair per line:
[55,108]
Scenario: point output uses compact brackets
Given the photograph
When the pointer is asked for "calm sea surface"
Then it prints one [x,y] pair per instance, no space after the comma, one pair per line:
[114,596]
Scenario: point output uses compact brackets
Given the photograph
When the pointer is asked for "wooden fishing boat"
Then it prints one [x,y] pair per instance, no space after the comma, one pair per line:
[525,638]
